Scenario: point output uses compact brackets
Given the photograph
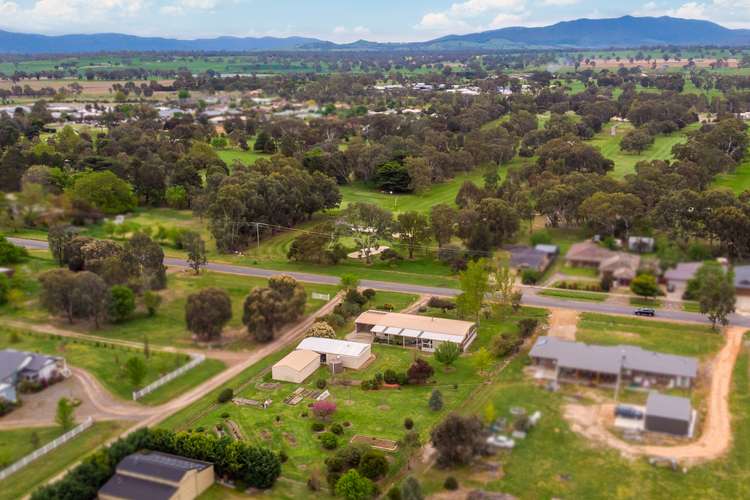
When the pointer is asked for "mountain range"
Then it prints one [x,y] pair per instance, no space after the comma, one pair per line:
[626,31]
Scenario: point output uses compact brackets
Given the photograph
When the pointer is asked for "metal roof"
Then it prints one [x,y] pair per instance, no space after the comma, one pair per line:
[417,322]
[661,405]
[12,362]
[406,332]
[299,359]
[160,465]
[438,336]
[612,359]
[334,346]
[135,488]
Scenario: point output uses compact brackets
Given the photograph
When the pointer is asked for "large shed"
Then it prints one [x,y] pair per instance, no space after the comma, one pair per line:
[296,366]
[668,414]
[350,354]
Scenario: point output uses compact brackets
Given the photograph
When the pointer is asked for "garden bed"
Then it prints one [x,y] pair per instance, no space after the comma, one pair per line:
[378,443]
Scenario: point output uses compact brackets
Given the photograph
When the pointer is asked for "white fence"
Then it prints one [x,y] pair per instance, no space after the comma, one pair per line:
[46,448]
[321,296]
[197,359]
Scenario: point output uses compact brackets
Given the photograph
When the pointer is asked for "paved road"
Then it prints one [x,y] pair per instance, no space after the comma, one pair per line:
[530,297]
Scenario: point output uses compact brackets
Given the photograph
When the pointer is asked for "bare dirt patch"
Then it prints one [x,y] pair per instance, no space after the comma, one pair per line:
[592,421]
[563,323]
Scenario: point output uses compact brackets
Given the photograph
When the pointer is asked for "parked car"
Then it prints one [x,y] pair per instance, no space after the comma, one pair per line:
[645,311]
[628,412]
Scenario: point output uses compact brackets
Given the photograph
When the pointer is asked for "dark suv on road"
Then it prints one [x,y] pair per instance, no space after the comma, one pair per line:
[645,311]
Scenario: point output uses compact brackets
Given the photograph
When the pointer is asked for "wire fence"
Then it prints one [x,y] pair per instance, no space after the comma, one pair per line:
[197,359]
[46,448]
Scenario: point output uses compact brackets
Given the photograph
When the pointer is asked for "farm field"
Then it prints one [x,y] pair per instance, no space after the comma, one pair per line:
[378,413]
[553,461]
[738,181]
[25,480]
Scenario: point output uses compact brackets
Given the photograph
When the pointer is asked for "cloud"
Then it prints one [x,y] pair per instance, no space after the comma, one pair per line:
[463,16]
[557,3]
[690,10]
[50,15]
[172,10]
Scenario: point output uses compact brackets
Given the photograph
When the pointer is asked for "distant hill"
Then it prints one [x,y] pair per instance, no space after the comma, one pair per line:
[624,31]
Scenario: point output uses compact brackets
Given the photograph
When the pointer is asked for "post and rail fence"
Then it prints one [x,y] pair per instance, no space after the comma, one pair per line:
[46,448]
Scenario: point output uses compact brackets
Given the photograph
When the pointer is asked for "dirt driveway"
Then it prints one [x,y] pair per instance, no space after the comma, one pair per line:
[716,438]
[563,323]
[38,410]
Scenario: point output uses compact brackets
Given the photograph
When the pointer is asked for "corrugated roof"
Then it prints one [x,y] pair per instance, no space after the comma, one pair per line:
[611,359]
[661,405]
[333,346]
[135,488]
[299,359]
[416,322]
[160,465]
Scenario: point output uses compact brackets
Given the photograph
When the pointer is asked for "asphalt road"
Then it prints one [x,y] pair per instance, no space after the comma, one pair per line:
[530,298]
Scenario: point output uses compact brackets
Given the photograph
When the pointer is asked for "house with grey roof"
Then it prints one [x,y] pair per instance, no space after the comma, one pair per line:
[523,257]
[158,476]
[567,361]
[17,366]
[669,414]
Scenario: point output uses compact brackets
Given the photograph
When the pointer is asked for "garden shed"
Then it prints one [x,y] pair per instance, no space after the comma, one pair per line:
[669,414]
[349,354]
[296,366]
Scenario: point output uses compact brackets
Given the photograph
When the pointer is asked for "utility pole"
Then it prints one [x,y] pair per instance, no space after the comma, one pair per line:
[257,236]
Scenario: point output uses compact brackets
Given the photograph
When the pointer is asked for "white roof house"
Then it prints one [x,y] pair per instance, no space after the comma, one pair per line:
[350,354]
[422,332]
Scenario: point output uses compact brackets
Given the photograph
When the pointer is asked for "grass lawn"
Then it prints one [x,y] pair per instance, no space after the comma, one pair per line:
[641,302]
[249,157]
[555,462]
[167,327]
[444,192]
[738,181]
[377,413]
[579,272]
[575,295]
[36,473]
[691,306]
[184,382]
[104,361]
[625,162]
[17,443]
[686,339]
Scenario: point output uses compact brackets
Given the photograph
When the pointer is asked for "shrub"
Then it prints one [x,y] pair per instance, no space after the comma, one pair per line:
[329,441]
[390,255]
[436,401]
[317,426]
[352,486]
[225,415]
[387,307]
[419,371]
[152,301]
[450,483]
[225,395]
[121,303]
[321,383]
[530,276]
[323,409]
[335,320]
[526,326]
[373,465]
[390,377]
[368,293]
[283,457]
[321,329]
[441,303]
[355,297]
[408,423]
[402,378]
[337,429]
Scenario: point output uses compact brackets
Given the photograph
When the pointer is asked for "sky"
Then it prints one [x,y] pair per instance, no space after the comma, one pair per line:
[336,20]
